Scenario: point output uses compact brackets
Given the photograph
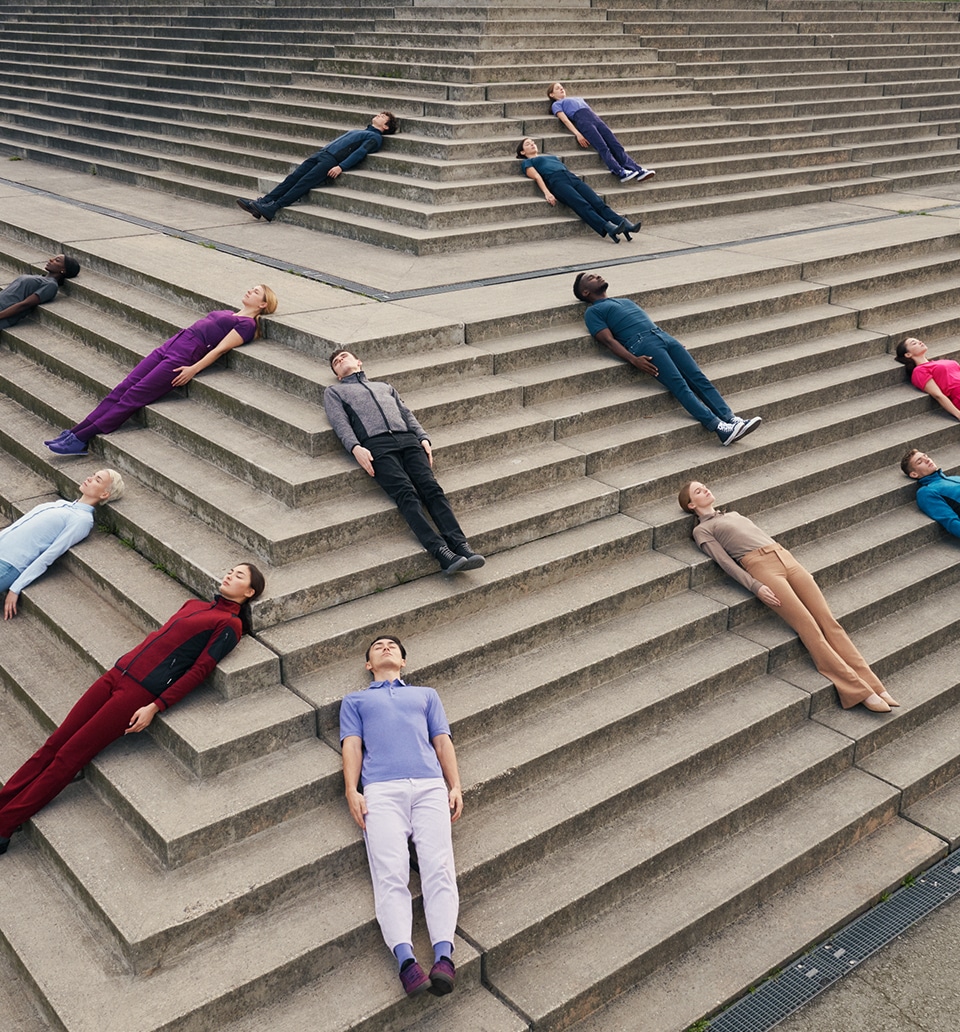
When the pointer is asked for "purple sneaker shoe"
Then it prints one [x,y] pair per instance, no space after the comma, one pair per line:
[442,975]
[69,444]
[414,979]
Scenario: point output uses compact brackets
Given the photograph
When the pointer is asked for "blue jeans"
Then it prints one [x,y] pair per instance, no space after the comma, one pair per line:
[600,136]
[682,377]
[572,191]
[8,575]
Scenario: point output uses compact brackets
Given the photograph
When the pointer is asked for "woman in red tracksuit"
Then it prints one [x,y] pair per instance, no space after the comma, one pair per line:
[149,679]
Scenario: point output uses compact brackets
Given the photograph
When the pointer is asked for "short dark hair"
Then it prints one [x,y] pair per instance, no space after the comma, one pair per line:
[520,146]
[385,637]
[906,463]
[339,351]
[71,267]
[576,287]
[393,123]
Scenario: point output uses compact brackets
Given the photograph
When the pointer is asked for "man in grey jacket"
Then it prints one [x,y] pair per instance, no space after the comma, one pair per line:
[383,435]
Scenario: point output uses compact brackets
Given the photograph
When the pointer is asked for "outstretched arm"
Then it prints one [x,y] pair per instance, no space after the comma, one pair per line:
[186,373]
[581,139]
[352,752]
[941,399]
[643,362]
[443,745]
[533,174]
[21,306]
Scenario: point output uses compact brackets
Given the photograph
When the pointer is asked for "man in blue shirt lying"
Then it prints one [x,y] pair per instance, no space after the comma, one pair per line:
[937,494]
[626,330]
[326,164]
[402,783]
[30,545]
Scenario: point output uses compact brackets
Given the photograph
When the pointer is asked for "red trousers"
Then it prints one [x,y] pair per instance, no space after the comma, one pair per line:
[100,716]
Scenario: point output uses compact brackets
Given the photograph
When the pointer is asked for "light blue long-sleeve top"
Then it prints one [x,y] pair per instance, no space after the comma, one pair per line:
[43,534]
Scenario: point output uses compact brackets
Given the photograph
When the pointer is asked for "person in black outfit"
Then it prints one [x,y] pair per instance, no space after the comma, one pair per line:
[383,435]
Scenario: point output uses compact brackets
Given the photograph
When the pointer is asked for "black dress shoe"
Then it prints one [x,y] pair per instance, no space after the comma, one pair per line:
[249,207]
[4,842]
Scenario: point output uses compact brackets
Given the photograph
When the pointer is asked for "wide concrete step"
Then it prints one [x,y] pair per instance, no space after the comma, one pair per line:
[561,981]
[720,967]
[269,956]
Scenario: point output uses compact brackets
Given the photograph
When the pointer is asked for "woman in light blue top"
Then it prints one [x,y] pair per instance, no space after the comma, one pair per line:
[30,545]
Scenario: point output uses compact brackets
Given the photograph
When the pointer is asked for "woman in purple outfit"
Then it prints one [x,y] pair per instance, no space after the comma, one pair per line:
[173,364]
[591,131]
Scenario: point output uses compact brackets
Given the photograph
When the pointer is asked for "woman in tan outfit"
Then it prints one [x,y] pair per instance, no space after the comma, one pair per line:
[767,569]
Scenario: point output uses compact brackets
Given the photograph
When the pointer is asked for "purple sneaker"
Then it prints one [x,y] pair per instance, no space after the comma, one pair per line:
[414,979]
[442,975]
[69,444]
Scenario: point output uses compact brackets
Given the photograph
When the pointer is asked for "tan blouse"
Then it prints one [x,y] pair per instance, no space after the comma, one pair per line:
[726,537]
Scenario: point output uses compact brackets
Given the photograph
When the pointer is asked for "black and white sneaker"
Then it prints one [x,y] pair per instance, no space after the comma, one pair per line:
[750,424]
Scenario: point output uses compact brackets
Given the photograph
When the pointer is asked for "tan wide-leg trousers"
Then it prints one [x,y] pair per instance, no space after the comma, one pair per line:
[805,609]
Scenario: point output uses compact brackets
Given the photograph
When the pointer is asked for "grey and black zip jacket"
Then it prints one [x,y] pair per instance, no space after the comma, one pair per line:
[359,409]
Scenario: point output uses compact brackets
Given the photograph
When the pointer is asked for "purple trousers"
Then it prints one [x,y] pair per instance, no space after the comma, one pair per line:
[149,381]
[600,136]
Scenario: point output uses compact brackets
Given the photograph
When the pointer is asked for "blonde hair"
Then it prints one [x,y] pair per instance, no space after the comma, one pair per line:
[269,306]
[117,487]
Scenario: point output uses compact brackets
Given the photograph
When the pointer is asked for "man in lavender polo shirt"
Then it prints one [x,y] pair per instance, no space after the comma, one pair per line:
[396,741]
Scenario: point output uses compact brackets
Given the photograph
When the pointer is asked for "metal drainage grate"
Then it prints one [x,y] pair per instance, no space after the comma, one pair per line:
[830,961]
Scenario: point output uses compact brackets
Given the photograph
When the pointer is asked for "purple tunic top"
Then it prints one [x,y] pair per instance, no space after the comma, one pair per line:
[192,343]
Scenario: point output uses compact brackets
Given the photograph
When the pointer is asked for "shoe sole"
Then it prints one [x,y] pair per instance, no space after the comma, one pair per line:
[645,175]
[474,562]
[441,986]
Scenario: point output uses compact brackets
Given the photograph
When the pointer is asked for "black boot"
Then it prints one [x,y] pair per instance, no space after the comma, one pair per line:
[611,230]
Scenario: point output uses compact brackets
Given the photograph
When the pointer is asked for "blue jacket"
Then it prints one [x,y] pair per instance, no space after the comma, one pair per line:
[935,493]
[352,147]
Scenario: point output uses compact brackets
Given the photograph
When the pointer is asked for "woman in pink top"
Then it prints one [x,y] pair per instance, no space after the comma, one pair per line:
[938,377]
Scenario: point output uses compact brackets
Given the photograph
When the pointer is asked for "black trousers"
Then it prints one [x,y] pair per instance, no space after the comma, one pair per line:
[402,469]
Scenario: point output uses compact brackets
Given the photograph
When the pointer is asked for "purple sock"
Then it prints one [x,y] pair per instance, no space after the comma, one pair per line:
[442,949]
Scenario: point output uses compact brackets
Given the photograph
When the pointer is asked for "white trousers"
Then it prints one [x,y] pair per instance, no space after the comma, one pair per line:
[416,808]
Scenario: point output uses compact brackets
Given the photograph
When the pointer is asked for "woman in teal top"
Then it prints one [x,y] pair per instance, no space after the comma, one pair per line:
[558,183]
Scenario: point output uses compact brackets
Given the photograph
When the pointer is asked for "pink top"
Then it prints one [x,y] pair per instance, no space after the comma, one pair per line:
[944,372]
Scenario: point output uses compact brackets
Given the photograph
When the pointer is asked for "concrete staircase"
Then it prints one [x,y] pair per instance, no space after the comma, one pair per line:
[657,780]
[664,801]
[744,105]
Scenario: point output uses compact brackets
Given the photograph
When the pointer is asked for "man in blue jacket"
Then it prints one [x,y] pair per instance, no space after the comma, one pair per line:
[384,436]
[937,494]
[342,154]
